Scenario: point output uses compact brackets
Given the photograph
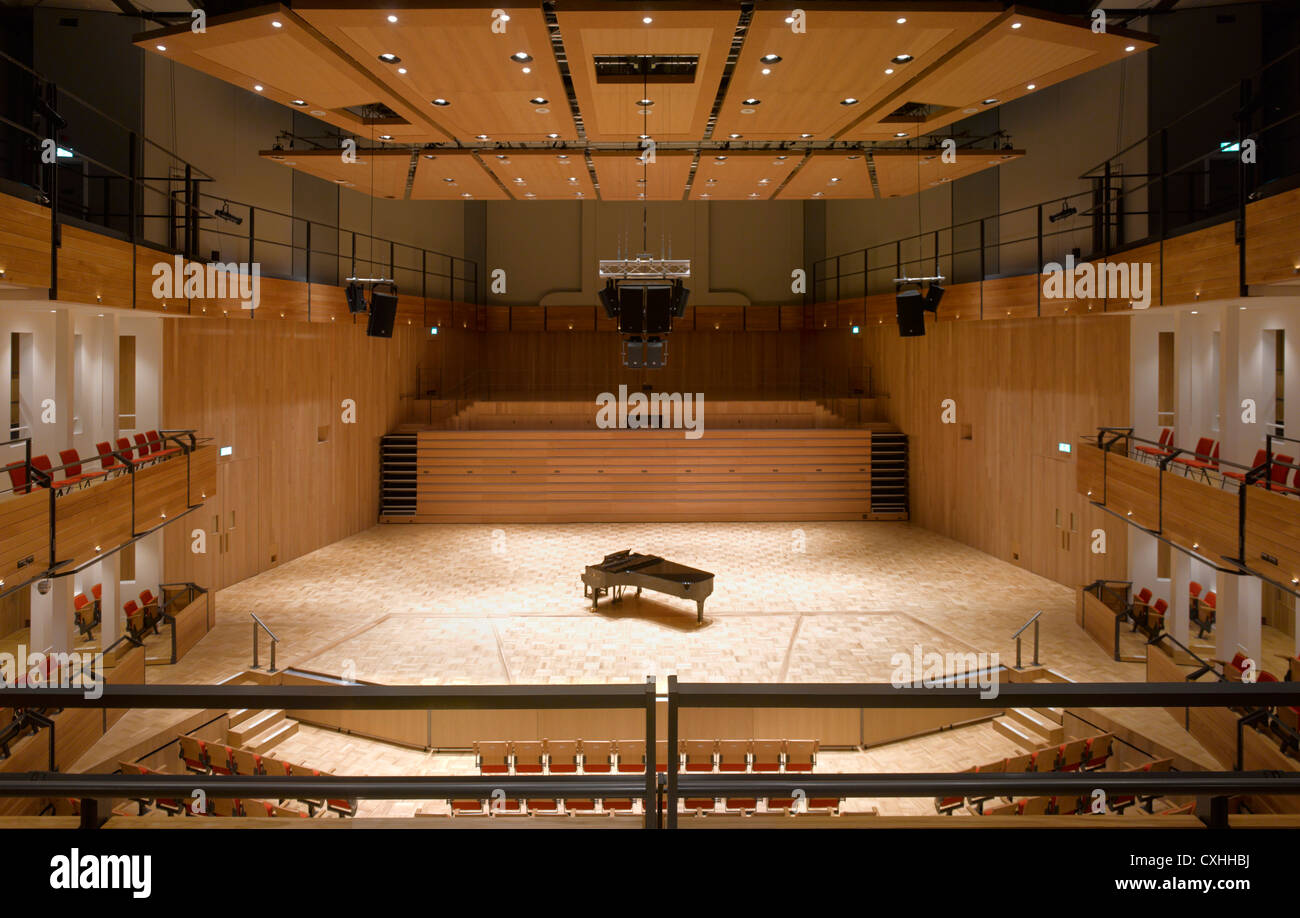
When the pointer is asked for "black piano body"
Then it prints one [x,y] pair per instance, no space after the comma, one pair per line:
[627,569]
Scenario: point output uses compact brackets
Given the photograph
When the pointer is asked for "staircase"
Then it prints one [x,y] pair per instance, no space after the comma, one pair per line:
[259,730]
[1034,728]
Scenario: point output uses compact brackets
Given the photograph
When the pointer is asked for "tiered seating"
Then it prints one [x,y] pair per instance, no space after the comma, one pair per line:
[1148,615]
[211,757]
[628,757]
[1083,754]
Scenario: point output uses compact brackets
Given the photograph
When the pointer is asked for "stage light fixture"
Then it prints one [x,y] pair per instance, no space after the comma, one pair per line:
[1064,213]
[224,213]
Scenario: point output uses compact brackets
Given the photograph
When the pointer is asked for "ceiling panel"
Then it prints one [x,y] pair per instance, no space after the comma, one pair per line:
[904,172]
[542,175]
[830,175]
[619,175]
[681,110]
[453,53]
[1018,50]
[272,48]
[453,176]
[843,54]
[726,175]
[381,173]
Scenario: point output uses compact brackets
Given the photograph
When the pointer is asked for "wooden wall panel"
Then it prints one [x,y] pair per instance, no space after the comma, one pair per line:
[1200,266]
[762,319]
[329,304]
[729,318]
[94,269]
[274,393]
[1011,297]
[283,299]
[96,516]
[1273,239]
[1133,490]
[161,493]
[523,319]
[24,536]
[24,242]
[1020,388]
[1273,528]
[570,318]
[1198,514]
[960,303]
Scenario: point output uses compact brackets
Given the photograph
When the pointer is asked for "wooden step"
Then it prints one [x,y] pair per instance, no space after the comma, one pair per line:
[240,715]
[1018,734]
[1055,715]
[269,739]
[252,726]
[1038,723]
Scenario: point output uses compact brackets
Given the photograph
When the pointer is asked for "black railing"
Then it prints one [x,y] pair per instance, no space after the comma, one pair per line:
[1215,184]
[650,787]
[123,184]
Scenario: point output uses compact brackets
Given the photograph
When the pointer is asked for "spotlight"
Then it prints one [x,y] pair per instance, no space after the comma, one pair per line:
[224,213]
[1064,213]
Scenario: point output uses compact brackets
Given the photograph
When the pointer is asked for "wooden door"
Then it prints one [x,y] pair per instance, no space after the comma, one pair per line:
[238,543]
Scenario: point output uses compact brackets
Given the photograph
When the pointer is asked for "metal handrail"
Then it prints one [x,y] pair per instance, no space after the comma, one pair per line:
[259,624]
[1033,621]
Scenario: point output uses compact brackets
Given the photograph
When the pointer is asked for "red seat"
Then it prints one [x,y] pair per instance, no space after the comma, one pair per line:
[42,463]
[124,447]
[18,477]
[1159,452]
[1206,457]
[72,471]
[108,462]
[1277,474]
[142,447]
[1260,456]
[157,448]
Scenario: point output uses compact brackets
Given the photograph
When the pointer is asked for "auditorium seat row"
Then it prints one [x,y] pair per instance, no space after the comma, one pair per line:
[213,806]
[207,757]
[149,448]
[610,807]
[1086,754]
[1061,805]
[535,757]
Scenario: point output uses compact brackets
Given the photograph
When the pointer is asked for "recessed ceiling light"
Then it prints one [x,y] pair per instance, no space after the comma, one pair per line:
[735,136]
[401,70]
[466,194]
[647,20]
[429,156]
[753,194]
[970,111]
[645,103]
[900,20]
[789,19]
[538,100]
[834,180]
[519,181]
[385,136]
[901,58]
[257,86]
[770,58]
[318,111]
[989,102]
[849,101]
[782,157]
[854,156]
[522,57]
[1032,86]
[526,70]
[161,47]
[562,156]
[1131,48]
[529,194]
[753,101]
[392,18]
[298,102]
[481,136]
[805,136]
[450,181]
[766,70]
[888,71]
[764,181]
[441,102]
[553,136]
[1015,25]
[573,178]
[389,58]
[720,158]
[277,24]
[704,194]
[900,134]
[818,194]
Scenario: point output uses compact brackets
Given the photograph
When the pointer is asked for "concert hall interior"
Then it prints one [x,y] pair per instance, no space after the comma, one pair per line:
[670,414]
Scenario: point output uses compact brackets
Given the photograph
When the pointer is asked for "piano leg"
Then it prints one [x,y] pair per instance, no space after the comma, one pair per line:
[699,611]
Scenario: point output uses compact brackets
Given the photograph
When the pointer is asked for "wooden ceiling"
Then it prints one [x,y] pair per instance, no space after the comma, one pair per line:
[681,110]
[742,176]
[381,173]
[500,72]
[620,176]
[904,172]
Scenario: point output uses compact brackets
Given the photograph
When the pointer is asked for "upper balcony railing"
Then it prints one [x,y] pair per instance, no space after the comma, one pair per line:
[1246,140]
[1235,517]
[105,175]
[58,519]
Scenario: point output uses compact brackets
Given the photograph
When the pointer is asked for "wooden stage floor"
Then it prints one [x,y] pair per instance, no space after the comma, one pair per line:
[465,604]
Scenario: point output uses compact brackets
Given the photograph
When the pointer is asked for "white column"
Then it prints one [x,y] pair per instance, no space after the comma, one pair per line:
[1176,622]
[51,613]
[1235,438]
[59,434]
[108,571]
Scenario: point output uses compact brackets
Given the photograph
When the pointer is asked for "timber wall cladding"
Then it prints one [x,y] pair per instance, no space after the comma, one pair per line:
[274,393]
[994,478]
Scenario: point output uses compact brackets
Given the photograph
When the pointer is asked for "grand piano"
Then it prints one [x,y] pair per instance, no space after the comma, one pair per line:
[625,569]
